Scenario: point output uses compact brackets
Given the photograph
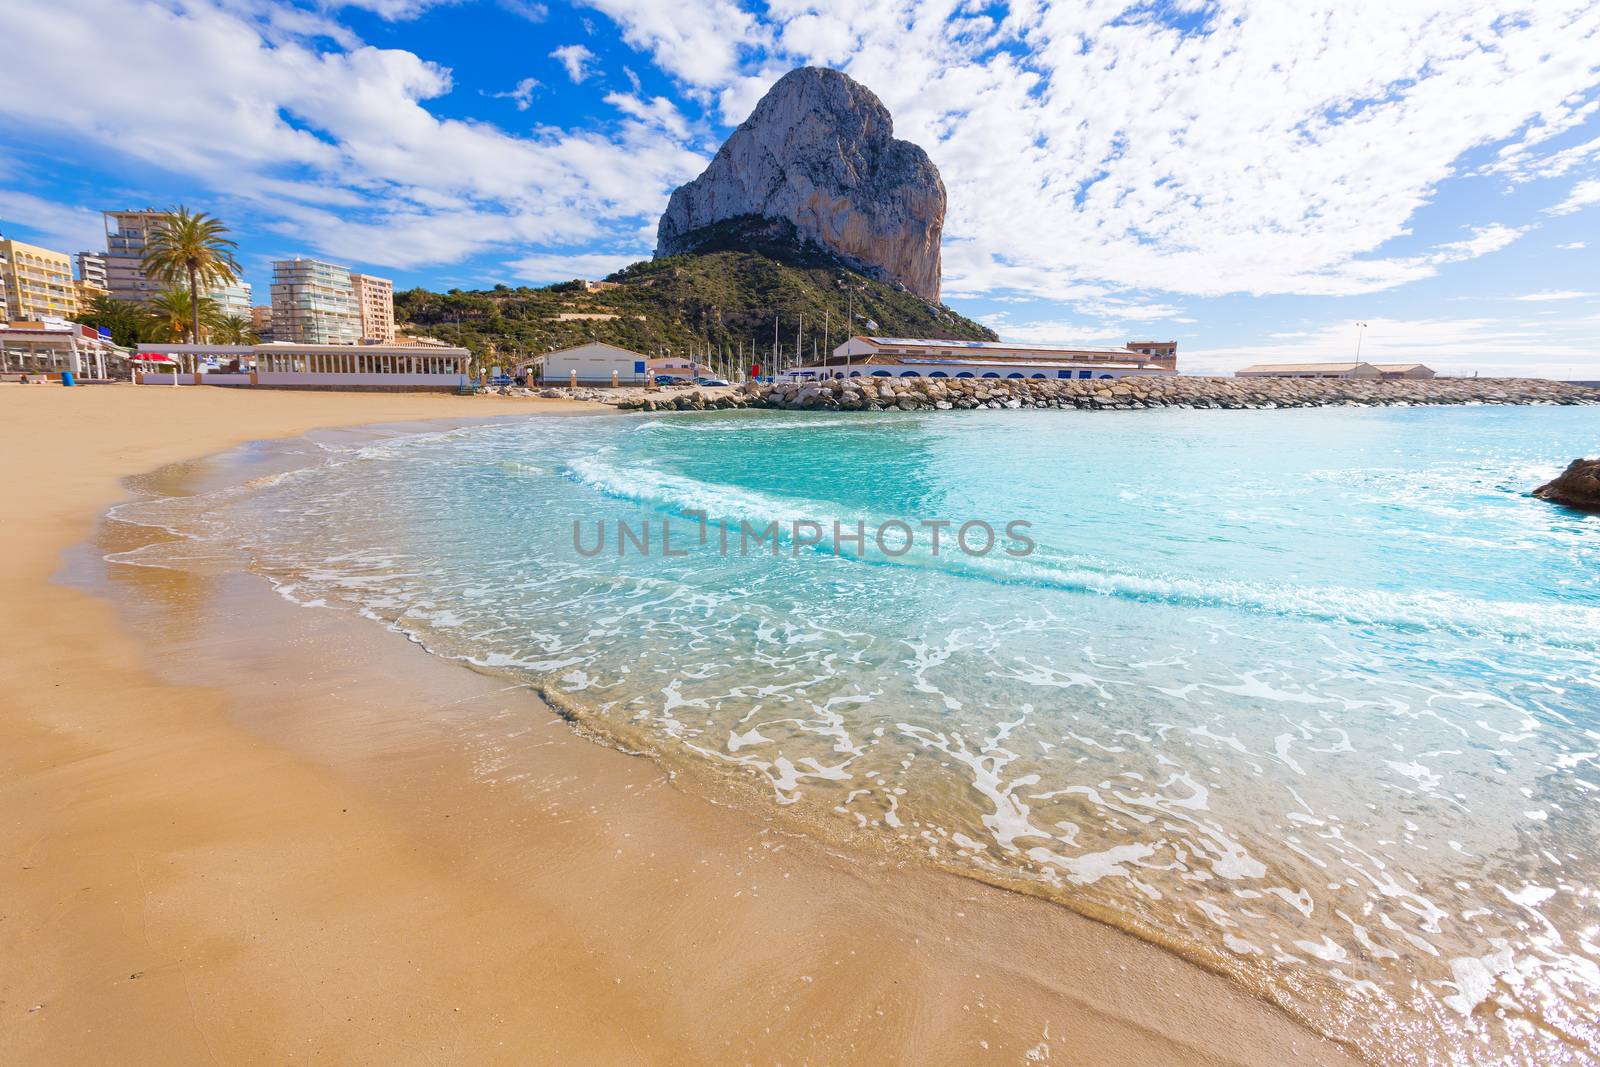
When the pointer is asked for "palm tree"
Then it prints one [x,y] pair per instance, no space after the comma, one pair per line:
[193,247]
[177,318]
[129,321]
[234,330]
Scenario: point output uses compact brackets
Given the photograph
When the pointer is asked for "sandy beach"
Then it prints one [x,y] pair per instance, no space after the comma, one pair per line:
[240,832]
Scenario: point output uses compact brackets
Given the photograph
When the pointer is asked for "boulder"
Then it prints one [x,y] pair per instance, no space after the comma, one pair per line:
[1576,487]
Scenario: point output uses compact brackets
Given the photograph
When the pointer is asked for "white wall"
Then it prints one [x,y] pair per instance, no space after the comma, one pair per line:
[594,364]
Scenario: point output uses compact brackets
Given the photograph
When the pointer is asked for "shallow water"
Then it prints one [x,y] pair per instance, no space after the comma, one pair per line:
[1312,697]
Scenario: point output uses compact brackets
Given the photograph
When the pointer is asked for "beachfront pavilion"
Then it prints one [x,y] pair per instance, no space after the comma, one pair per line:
[280,365]
[51,347]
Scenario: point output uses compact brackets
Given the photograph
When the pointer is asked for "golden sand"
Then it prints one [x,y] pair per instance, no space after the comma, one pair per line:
[237,832]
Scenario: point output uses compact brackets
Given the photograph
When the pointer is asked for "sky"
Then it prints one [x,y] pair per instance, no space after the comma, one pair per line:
[1252,178]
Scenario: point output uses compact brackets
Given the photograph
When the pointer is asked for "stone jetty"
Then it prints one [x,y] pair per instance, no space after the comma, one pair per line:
[1120,394]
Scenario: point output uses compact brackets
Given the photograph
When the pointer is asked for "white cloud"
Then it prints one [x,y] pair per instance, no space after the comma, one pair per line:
[658,111]
[58,227]
[533,12]
[576,58]
[1058,332]
[392,10]
[521,94]
[558,266]
[1573,246]
[1581,195]
[1123,150]
[699,43]
[337,144]
[1554,294]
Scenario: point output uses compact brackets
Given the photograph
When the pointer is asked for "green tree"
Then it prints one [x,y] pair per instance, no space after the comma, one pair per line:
[129,321]
[177,317]
[193,247]
[234,330]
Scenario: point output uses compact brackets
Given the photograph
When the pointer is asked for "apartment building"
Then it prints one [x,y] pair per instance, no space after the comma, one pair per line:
[261,321]
[5,304]
[126,232]
[92,269]
[233,300]
[314,303]
[38,282]
[375,300]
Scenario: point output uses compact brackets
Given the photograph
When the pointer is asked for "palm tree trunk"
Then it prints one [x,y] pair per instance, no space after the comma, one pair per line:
[194,305]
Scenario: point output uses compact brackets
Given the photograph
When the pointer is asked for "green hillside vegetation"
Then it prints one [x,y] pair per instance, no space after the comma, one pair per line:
[716,297]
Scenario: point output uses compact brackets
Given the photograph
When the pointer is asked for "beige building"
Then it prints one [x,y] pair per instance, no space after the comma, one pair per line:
[126,232]
[261,321]
[314,303]
[375,300]
[1373,371]
[38,282]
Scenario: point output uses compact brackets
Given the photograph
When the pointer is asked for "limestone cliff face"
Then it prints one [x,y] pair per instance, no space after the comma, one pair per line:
[819,151]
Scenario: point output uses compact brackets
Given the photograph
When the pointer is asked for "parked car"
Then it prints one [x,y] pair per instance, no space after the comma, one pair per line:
[500,379]
[709,381]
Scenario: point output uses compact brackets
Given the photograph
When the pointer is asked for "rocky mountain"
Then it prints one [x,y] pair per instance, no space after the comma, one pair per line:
[819,152]
[724,297]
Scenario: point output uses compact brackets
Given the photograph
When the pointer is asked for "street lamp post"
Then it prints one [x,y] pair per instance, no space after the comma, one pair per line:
[1360,329]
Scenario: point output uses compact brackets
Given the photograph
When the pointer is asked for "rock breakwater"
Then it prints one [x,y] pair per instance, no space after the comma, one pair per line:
[1122,394]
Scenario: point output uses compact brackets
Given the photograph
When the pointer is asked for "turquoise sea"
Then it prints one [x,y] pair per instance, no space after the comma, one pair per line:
[1311,697]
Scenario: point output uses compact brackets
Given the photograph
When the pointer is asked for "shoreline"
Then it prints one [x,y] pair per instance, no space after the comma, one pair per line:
[251,864]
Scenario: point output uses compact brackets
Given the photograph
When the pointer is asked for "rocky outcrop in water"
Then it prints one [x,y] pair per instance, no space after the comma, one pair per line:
[1576,487]
[819,152]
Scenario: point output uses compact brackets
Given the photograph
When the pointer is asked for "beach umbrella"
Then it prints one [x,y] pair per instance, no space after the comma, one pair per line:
[158,358]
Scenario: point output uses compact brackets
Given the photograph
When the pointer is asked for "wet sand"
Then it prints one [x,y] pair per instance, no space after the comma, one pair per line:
[236,831]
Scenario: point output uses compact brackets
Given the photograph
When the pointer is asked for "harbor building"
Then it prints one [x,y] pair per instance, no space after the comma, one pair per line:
[38,282]
[314,303]
[375,303]
[907,357]
[594,363]
[1373,371]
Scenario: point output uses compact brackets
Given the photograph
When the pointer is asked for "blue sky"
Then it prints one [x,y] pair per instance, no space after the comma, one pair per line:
[1249,178]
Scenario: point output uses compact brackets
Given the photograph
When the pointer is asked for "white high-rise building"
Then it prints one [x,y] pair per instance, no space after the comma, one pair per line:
[314,303]
[233,300]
